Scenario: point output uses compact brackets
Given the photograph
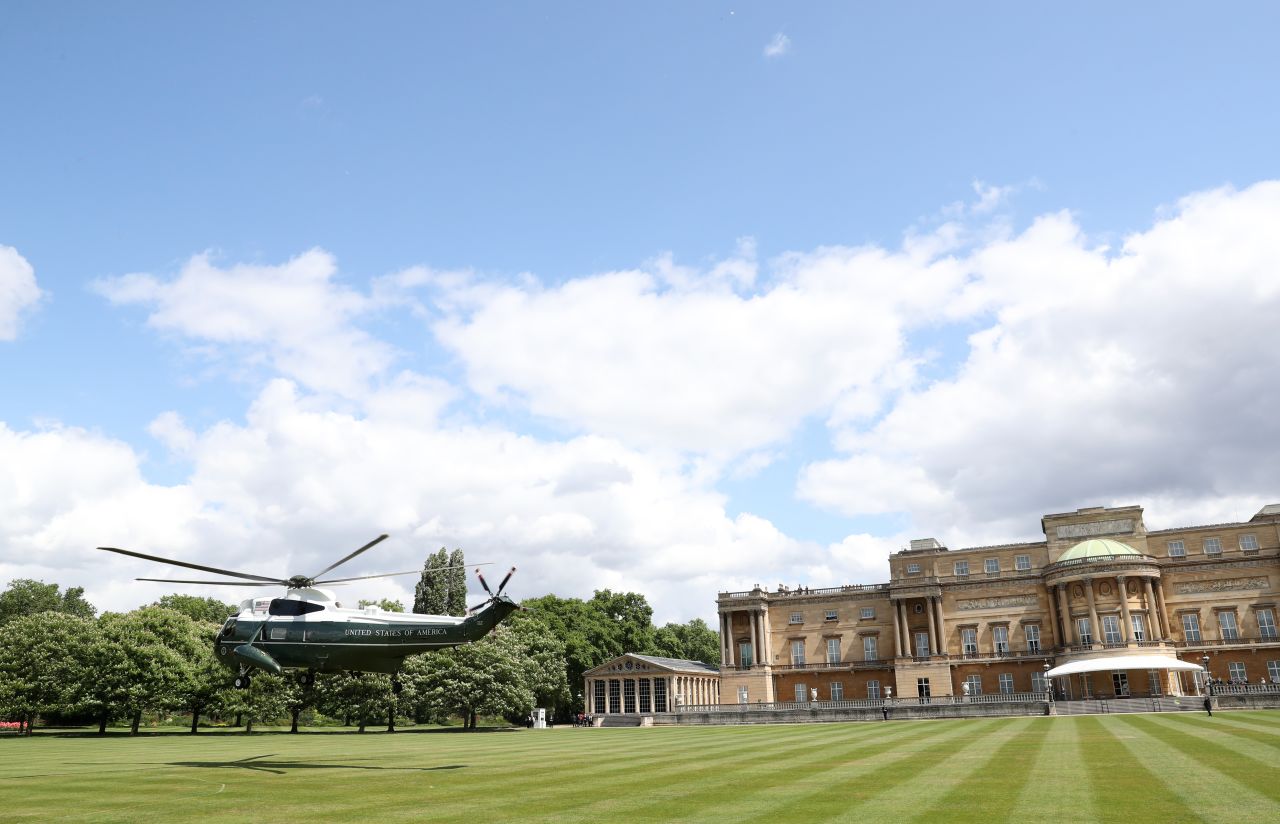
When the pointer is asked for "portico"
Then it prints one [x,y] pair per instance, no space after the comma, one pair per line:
[634,684]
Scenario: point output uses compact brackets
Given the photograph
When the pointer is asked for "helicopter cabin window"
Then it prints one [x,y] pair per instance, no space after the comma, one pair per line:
[286,606]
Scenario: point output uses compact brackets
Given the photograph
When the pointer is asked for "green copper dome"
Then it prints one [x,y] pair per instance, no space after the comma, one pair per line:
[1097,548]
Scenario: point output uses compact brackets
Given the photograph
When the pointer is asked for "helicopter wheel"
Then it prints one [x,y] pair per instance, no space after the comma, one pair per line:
[242,682]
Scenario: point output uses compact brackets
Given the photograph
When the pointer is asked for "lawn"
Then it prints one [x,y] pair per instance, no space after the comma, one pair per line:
[1167,768]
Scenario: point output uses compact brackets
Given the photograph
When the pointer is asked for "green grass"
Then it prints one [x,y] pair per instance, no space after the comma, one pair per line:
[1169,768]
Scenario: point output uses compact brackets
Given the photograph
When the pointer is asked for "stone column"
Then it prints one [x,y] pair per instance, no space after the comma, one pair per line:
[933,636]
[1093,609]
[897,629]
[906,629]
[1164,612]
[1126,630]
[942,631]
[1053,619]
[1064,609]
[1153,614]
[725,640]
[767,658]
[755,638]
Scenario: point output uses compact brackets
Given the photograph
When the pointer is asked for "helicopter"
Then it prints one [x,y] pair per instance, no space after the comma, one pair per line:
[308,629]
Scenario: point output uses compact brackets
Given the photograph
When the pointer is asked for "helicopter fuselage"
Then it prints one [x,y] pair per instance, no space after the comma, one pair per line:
[308,630]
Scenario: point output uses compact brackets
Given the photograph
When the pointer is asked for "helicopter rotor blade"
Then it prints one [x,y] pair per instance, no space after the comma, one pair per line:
[217,583]
[484,583]
[503,585]
[336,564]
[390,574]
[189,565]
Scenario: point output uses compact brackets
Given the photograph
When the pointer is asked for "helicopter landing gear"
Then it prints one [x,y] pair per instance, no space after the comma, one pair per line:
[242,682]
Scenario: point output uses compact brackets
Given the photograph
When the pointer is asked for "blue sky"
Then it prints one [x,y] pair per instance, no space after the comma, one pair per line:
[453,162]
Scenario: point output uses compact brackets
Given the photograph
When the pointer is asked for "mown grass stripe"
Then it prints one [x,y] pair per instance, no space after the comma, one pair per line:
[992,786]
[1057,786]
[1116,778]
[1244,740]
[1233,767]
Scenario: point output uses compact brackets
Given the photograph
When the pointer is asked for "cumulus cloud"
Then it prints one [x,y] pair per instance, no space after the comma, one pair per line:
[778,46]
[18,291]
[1141,374]
[294,316]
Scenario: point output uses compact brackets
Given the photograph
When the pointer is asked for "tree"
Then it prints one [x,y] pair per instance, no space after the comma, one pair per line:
[694,641]
[431,596]
[489,677]
[267,698]
[630,621]
[43,664]
[204,610]
[155,653]
[585,631]
[544,664]
[203,690]
[386,605]
[360,696]
[456,600]
[27,597]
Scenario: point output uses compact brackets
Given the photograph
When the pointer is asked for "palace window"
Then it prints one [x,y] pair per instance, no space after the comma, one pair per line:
[797,653]
[1154,682]
[1084,631]
[1033,637]
[962,568]
[746,655]
[1000,635]
[1006,683]
[1212,546]
[797,617]
[1177,549]
[1110,629]
[869,651]
[974,684]
[991,566]
[1086,685]
[1266,623]
[922,690]
[833,650]
[1248,543]
[922,645]
[837,691]
[1230,630]
[913,569]
[969,641]
[868,613]
[1021,562]
[1236,672]
[1190,626]
[873,687]
[831,615]
[802,693]
[1273,671]
[1139,629]
[742,695]
[1039,683]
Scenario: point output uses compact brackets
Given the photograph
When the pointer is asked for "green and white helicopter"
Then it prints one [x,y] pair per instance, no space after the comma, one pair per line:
[308,629]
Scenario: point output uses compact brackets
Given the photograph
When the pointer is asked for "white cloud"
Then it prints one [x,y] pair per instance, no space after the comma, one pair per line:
[778,46]
[18,290]
[293,317]
[1143,375]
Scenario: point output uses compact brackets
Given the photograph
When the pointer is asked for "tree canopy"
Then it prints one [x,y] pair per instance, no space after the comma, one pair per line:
[27,597]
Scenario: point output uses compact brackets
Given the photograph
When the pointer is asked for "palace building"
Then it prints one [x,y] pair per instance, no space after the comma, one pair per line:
[1122,606]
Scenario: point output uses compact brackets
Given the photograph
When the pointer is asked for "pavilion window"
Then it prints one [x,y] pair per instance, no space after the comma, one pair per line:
[615,696]
[1110,629]
[1033,637]
[646,698]
[1227,621]
[599,696]
[1000,635]
[1191,626]
[1139,629]
[869,651]
[833,650]
[629,695]
[1266,623]
[660,695]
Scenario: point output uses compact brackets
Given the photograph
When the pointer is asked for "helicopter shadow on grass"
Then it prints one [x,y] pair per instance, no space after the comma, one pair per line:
[261,763]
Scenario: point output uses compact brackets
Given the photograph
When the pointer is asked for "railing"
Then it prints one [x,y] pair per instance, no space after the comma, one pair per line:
[868,703]
[1223,642]
[1246,689]
[875,663]
[843,589]
[1006,655]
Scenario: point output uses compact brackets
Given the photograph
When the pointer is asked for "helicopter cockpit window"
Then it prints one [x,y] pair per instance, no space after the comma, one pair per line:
[285,606]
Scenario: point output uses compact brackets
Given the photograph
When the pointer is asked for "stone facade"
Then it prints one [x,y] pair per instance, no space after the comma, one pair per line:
[991,619]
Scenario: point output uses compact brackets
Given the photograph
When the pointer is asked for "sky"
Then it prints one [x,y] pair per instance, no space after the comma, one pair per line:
[670,298]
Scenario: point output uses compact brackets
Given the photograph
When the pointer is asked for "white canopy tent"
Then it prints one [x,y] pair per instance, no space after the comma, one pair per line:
[1124,662]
